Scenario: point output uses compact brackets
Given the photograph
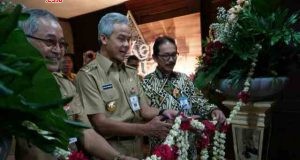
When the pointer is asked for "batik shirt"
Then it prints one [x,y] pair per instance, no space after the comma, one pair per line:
[164,92]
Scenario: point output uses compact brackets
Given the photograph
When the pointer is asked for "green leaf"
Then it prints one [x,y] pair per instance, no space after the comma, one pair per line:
[265,7]
[296,37]
[275,38]
[5,69]
[8,23]
[76,123]
[5,91]
[293,19]
[287,39]
[204,78]
[46,106]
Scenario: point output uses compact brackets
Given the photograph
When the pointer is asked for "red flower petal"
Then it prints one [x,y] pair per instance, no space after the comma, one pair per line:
[224,128]
[203,142]
[165,152]
[186,124]
[75,155]
[209,129]
[244,96]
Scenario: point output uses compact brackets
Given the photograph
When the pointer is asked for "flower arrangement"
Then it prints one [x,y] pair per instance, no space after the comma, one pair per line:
[249,31]
[176,143]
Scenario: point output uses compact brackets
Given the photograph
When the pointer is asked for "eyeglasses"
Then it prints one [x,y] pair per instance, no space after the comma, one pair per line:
[51,42]
[167,57]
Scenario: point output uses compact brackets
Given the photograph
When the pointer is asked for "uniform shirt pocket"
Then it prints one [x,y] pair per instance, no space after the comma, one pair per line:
[109,95]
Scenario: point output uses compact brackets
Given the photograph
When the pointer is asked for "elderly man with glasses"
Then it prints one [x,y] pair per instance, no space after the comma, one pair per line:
[167,89]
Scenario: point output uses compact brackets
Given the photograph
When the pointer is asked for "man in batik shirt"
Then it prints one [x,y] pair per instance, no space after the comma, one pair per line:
[167,89]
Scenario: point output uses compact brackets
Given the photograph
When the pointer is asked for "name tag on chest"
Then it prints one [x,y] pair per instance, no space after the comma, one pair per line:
[184,103]
[134,103]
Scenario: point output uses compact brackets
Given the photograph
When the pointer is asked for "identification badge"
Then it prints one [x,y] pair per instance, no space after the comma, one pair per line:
[134,103]
[72,140]
[184,103]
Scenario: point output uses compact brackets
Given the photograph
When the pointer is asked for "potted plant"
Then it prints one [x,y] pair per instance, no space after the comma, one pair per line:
[254,38]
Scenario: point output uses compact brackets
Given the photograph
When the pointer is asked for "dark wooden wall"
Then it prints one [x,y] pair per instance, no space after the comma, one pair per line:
[145,11]
[85,31]
[84,27]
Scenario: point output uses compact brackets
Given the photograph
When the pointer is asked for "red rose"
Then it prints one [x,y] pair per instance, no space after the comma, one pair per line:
[218,45]
[209,48]
[207,60]
[165,152]
[175,150]
[75,155]
[186,124]
[203,142]
[209,129]
[224,128]
[244,96]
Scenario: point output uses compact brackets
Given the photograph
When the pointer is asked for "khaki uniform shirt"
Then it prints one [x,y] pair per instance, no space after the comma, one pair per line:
[67,89]
[102,83]
[71,76]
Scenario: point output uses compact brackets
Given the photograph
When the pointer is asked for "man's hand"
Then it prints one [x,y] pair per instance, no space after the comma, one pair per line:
[218,115]
[170,114]
[128,158]
[157,128]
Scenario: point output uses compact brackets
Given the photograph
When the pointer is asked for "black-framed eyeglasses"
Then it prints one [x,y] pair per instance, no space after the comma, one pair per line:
[167,57]
[51,42]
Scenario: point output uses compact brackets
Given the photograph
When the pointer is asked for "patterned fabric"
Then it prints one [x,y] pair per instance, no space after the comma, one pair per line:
[163,92]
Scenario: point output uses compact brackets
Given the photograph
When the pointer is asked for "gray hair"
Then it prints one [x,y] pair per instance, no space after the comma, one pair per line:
[31,24]
[106,24]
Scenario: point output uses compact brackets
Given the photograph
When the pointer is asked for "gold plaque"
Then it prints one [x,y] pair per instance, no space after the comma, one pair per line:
[111,106]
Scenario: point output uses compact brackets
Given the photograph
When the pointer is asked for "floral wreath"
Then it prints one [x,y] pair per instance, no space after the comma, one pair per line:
[176,143]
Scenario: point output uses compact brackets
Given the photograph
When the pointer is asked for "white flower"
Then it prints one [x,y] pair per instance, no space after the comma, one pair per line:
[223,135]
[176,126]
[240,2]
[59,152]
[235,10]
[229,120]
[246,3]
[234,112]
[247,83]
[232,17]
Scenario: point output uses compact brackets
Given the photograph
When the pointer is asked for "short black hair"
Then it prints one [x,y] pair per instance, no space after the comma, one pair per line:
[161,40]
[71,55]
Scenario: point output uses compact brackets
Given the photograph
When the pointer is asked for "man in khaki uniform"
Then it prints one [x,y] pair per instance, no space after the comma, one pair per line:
[111,94]
[45,34]
[67,67]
